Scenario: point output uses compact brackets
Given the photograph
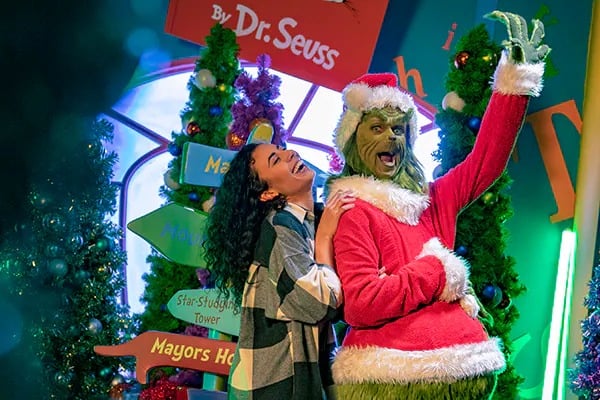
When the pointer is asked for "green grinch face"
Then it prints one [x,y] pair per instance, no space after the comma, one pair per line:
[381,139]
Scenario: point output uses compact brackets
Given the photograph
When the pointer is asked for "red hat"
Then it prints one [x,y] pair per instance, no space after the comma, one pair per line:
[368,92]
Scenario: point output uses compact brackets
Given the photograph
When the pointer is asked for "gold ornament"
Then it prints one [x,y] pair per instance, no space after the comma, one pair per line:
[234,141]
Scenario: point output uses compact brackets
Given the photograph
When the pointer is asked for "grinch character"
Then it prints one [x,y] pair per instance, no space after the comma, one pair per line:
[414,331]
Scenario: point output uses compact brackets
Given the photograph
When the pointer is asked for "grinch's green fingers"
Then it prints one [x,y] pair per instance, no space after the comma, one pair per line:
[520,47]
[537,34]
[517,32]
[516,25]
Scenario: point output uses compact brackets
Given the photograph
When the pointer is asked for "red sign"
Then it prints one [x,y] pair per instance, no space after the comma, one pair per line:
[160,349]
[327,42]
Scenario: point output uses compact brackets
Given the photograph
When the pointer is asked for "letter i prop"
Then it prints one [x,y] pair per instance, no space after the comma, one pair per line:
[446,45]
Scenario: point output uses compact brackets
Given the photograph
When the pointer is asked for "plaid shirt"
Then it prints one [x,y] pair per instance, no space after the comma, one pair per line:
[287,302]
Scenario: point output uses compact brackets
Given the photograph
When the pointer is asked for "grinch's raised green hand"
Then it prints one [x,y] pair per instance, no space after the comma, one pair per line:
[520,47]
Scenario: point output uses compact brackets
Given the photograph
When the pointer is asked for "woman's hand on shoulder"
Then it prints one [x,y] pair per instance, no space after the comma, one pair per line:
[336,205]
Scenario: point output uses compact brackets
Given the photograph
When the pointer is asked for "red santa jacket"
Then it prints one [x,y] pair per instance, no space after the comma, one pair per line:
[404,325]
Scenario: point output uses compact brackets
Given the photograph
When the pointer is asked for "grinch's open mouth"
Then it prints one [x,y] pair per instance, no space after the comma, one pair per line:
[387,158]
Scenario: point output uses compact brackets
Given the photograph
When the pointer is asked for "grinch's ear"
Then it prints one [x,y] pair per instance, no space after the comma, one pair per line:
[268,195]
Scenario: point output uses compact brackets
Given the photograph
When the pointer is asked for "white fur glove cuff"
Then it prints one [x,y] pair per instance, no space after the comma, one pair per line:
[456,268]
[470,305]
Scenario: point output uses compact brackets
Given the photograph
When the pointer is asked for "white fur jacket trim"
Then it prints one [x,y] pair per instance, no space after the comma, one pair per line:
[403,204]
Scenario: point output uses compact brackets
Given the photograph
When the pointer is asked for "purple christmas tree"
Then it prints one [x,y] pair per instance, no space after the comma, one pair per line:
[585,377]
[257,105]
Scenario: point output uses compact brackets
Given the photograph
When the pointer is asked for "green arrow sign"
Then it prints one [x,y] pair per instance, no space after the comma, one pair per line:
[208,308]
[175,231]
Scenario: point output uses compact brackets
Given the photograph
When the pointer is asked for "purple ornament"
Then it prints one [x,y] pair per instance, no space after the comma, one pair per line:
[203,276]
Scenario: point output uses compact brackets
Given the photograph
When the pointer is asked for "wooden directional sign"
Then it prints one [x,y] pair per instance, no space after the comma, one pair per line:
[208,308]
[177,232]
[160,349]
[205,165]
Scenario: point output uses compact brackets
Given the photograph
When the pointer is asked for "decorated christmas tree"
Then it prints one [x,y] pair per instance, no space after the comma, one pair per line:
[481,235]
[206,119]
[585,376]
[62,272]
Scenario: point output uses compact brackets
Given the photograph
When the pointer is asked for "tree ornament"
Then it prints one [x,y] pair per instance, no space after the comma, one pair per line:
[74,331]
[174,149]
[461,59]
[117,379]
[205,79]
[103,243]
[82,276]
[63,379]
[474,123]
[54,223]
[462,250]
[193,196]
[203,276]
[40,201]
[491,294]
[505,302]
[490,58]
[94,326]
[489,198]
[215,111]
[169,181]
[58,267]
[53,250]
[192,128]
[75,241]
[452,100]
[120,391]
[234,141]
[223,87]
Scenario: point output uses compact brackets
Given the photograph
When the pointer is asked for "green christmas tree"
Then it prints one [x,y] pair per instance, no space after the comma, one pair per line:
[62,272]
[481,235]
[206,119]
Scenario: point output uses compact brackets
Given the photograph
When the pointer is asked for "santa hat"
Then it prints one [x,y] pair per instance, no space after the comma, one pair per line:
[368,92]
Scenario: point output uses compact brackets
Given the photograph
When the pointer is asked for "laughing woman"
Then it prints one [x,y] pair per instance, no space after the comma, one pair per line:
[261,247]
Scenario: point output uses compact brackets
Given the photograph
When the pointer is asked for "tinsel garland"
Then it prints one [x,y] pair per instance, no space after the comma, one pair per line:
[585,377]
[258,102]
[161,389]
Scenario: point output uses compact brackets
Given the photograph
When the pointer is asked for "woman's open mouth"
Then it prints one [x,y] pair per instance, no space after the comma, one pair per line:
[299,167]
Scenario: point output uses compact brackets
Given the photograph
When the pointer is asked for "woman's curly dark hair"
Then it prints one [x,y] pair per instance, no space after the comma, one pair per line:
[234,223]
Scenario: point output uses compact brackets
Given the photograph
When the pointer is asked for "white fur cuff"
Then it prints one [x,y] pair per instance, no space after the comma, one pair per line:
[371,364]
[456,269]
[470,305]
[520,79]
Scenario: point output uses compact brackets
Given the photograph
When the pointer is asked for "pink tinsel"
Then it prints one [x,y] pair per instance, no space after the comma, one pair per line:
[161,389]
[336,163]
